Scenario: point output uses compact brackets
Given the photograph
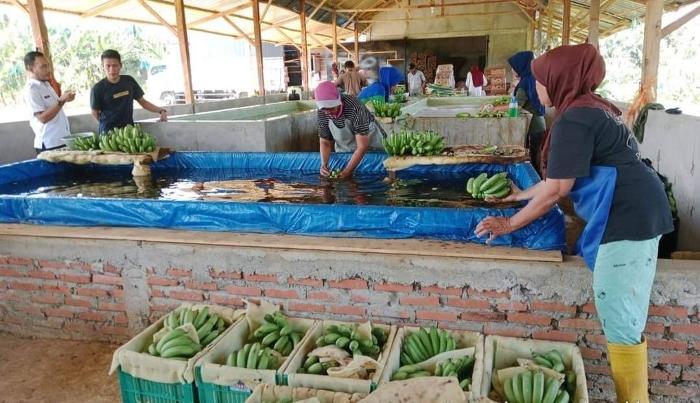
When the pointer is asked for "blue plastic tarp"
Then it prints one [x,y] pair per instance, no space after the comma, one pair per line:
[335,220]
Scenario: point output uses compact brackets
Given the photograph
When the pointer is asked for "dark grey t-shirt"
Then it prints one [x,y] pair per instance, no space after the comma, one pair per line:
[584,137]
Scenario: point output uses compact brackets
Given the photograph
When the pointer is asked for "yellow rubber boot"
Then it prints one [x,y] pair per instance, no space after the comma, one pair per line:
[628,364]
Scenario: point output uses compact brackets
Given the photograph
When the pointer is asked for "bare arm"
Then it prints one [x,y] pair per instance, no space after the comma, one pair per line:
[326,147]
[96,114]
[47,115]
[362,147]
[153,108]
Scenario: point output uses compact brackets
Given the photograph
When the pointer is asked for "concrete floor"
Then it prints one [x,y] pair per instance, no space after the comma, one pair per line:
[43,370]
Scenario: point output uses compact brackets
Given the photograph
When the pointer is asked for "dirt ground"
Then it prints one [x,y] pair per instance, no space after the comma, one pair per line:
[41,370]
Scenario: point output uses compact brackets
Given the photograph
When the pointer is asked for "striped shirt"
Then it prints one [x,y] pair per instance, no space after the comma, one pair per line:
[353,110]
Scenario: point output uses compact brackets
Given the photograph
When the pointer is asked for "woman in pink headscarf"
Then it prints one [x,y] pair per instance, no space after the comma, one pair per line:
[344,123]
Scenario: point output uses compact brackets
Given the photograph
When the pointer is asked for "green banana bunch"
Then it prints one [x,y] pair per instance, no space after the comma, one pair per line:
[129,139]
[254,356]
[175,344]
[87,143]
[534,387]
[552,360]
[457,367]
[409,372]
[440,90]
[481,114]
[349,339]
[424,344]
[277,334]
[408,142]
[481,187]
[313,366]
[386,110]
[335,174]
[209,325]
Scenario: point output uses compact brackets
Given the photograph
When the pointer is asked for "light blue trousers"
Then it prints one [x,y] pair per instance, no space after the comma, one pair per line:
[622,279]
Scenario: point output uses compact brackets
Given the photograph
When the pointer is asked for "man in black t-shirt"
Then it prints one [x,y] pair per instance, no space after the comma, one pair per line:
[112,98]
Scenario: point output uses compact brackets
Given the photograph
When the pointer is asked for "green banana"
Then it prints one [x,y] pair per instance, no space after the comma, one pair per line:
[152,349]
[173,334]
[342,342]
[231,360]
[571,382]
[202,316]
[310,360]
[181,351]
[281,344]
[425,340]
[543,362]
[493,179]
[434,340]
[206,328]
[526,386]
[518,387]
[270,338]
[508,389]
[252,361]
[183,340]
[316,368]
[557,360]
[537,386]
[465,384]
[551,390]
[264,359]
[562,397]
[242,356]
[209,338]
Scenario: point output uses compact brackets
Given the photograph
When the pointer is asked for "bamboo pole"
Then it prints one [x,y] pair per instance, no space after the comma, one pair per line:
[41,35]
[593,26]
[652,42]
[334,21]
[304,47]
[680,22]
[357,44]
[258,47]
[566,23]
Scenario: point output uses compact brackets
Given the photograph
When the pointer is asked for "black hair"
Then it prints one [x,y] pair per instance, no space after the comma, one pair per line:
[412,66]
[349,64]
[30,57]
[111,54]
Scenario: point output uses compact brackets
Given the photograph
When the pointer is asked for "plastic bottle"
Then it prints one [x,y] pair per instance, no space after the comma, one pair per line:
[513,107]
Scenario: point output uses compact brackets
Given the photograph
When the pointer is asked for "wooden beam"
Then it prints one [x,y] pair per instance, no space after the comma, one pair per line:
[101,8]
[219,14]
[350,55]
[652,45]
[334,21]
[357,44]
[239,30]
[292,41]
[440,17]
[180,19]
[267,8]
[566,23]
[319,42]
[158,17]
[594,25]
[680,21]
[304,48]
[550,26]
[258,47]
[315,10]
[39,31]
[524,10]
[19,5]
[419,6]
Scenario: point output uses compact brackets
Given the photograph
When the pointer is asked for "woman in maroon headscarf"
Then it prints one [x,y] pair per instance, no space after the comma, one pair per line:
[475,82]
[591,156]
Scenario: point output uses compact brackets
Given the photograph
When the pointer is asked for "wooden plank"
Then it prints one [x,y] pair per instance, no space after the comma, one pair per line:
[334,21]
[292,42]
[680,21]
[594,24]
[258,47]
[19,5]
[566,23]
[404,247]
[184,43]
[101,8]
[157,16]
[304,48]
[357,45]
[316,10]
[239,30]
[219,14]
[652,45]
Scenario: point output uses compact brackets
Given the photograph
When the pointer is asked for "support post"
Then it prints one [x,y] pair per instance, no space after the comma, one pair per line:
[304,58]
[652,42]
[41,36]
[566,23]
[334,21]
[357,44]
[184,50]
[593,26]
[258,47]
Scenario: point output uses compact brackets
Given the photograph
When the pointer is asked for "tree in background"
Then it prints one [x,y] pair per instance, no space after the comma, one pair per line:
[75,54]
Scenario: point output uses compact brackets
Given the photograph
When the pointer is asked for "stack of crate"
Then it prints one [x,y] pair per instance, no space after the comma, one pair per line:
[496,77]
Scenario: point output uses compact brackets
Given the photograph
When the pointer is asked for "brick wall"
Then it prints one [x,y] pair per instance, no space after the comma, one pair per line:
[85,300]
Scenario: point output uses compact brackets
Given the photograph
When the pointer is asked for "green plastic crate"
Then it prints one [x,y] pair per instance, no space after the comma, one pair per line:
[136,390]
[212,393]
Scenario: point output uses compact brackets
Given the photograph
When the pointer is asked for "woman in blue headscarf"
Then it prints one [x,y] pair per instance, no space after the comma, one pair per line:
[381,89]
[527,98]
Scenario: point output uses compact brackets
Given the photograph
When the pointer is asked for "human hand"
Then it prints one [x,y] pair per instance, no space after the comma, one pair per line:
[325,172]
[163,115]
[345,174]
[512,197]
[67,96]
[493,227]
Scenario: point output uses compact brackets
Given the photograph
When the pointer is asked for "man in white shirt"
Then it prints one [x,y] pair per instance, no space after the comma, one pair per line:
[48,121]
[416,80]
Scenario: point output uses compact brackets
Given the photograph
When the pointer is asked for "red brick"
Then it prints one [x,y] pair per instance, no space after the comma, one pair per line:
[110,268]
[454,291]
[47,299]
[102,279]
[348,310]
[80,266]
[10,272]
[679,312]
[121,319]
[350,283]
[75,278]
[580,324]
[483,316]
[19,261]
[426,301]
[52,264]
[433,315]
[588,308]
[121,331]
[692,376]
[311,282]
[555,335]
[175,272]
[170,307]
[385,312]
[106,306]
[263,278]
[696,345]
[226,300]
[94,316]
[276,293]
[659,375]
[496,330]
[652,327]
[46,275]
[530,319]
[60,289]
[59,312]
[79,302]
[231,275]
[597,339]
[471,292]
[468,303]
[677,359]
[360,299]
[81,328]
[597,369]
[197,285]
[117,293]
[301,307]
[511,306]
[552,307]
[591,353]
[32,310]
[249,291]
[10,296]
[692,329]
[673,390]
[393,287]
[320,296]
[15,285]
[186,295]
[157,292]
[3,259]
[667,344]
[162,281]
